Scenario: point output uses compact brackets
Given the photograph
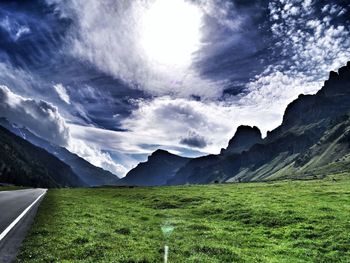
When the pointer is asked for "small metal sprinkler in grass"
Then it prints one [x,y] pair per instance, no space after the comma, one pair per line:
[167,230]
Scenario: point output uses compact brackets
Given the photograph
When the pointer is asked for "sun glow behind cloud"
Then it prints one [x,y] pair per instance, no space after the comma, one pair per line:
[171,32]
[150,45]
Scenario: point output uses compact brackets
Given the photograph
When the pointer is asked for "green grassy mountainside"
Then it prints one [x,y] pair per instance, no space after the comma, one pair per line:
[284,221]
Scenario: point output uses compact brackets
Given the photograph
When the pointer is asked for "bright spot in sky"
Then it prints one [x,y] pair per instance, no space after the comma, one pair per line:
[171,32]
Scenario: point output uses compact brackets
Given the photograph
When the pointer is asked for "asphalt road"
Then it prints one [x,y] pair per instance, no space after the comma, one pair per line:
[16,219]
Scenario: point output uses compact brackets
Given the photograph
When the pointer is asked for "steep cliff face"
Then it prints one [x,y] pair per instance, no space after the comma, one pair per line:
[160,167]
[331,101]
[312,139]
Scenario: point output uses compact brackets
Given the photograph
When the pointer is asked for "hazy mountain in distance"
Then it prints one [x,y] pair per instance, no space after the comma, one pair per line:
[90,174]
[22,163]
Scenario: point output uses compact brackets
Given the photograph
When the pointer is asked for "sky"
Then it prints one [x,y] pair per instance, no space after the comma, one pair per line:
[113,81]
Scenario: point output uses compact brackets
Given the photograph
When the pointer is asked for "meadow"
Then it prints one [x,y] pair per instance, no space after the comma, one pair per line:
[287,221]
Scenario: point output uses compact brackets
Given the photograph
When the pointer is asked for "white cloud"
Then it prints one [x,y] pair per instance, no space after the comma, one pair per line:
[222,12]
[336,10]
[312,47]
[40,117]
[315,45]
[62,92]
[95,156]
[44,120]
[15,30]
[164,123]
[114,49]
[30,85]
[275,90]
[18,78]
[21,31]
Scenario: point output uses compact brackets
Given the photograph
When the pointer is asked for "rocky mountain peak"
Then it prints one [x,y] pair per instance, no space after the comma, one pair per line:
[157,170]
[244,138]
[159,154]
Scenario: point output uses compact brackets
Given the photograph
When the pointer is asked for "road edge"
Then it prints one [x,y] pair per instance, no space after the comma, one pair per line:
[12,241]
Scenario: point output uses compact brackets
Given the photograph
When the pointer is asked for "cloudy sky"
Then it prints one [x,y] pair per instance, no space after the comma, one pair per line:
[115,80]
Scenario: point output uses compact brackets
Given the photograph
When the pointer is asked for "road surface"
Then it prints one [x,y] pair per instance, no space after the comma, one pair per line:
[17,211]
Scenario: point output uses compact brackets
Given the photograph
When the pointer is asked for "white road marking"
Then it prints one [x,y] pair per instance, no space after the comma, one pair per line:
[8,229]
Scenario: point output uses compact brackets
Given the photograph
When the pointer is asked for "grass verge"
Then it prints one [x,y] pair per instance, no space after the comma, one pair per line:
[10,188]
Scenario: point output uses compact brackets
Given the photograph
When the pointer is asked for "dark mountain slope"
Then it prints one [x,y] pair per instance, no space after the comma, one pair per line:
[192,168]
[160,167]
[90,174]
[22,163]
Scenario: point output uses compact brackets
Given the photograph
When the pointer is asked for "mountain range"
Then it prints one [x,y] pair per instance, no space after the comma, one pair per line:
[312,141]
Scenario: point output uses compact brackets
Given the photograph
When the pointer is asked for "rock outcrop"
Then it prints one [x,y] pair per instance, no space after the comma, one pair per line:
[244,138]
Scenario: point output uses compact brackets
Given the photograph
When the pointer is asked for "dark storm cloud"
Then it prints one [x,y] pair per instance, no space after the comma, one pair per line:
[194,140]
[39,59]
[31,33]
[236,51]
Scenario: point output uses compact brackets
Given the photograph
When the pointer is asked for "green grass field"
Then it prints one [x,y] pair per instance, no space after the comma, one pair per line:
[290,221]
